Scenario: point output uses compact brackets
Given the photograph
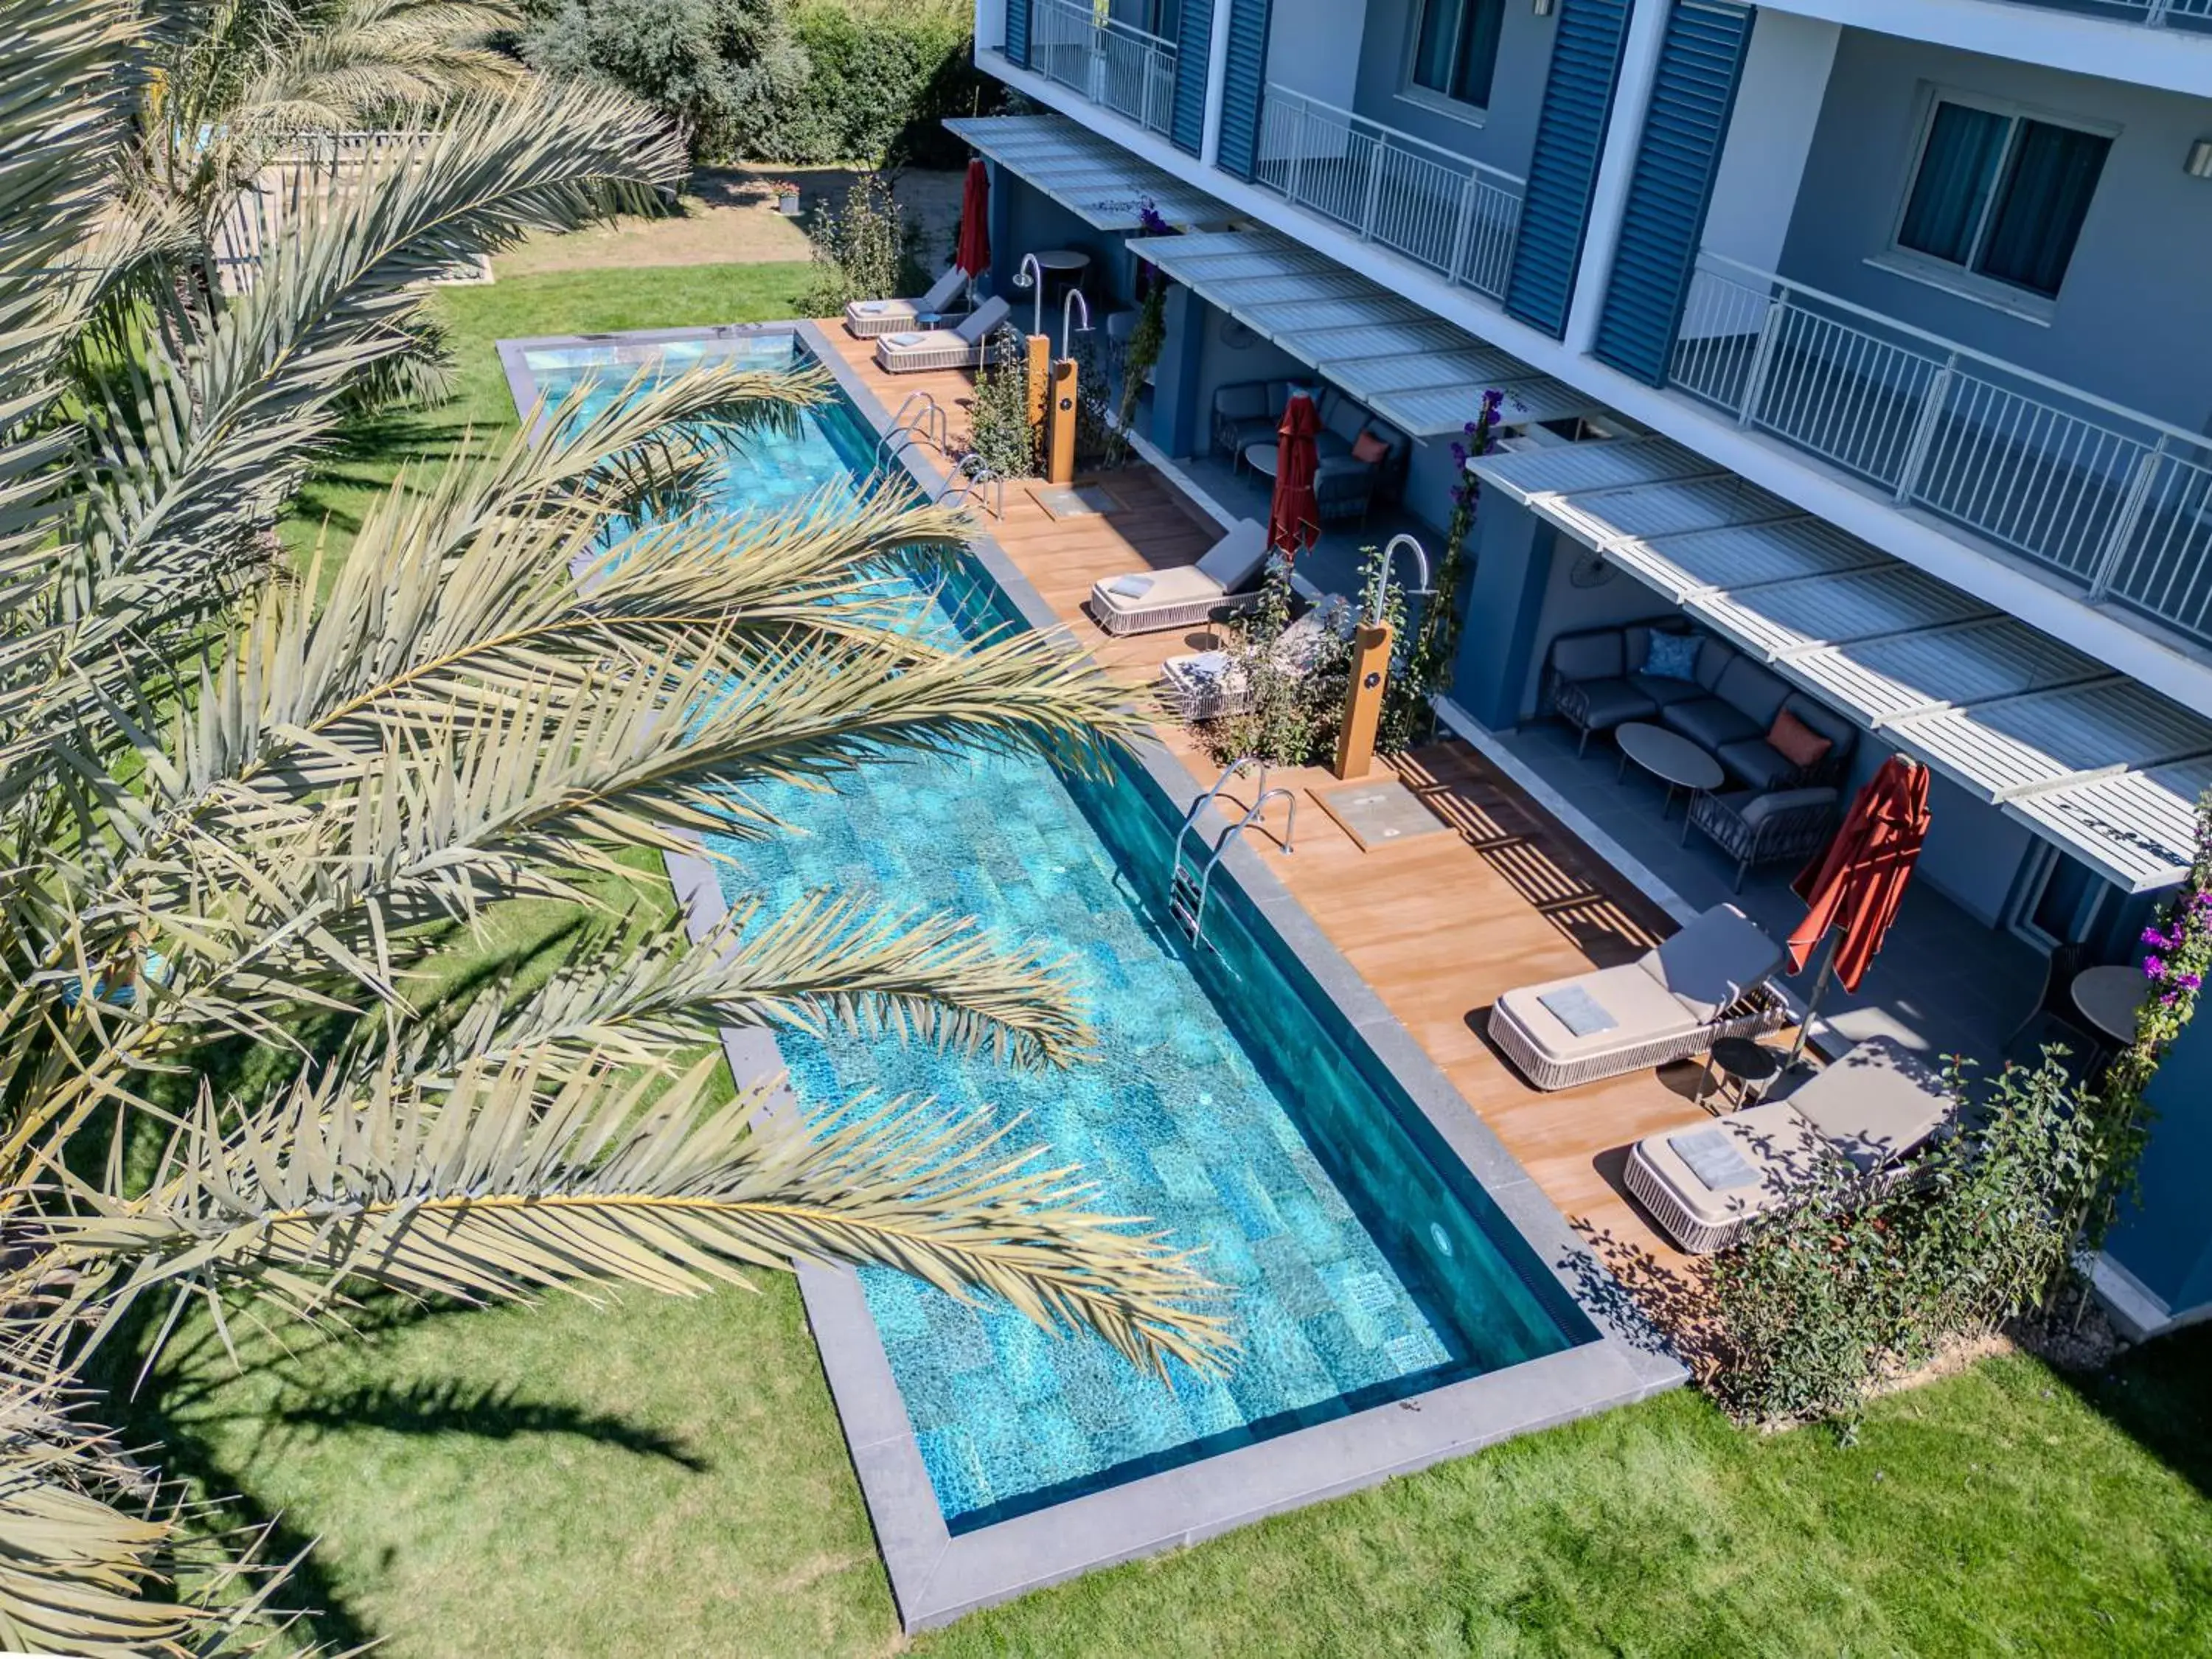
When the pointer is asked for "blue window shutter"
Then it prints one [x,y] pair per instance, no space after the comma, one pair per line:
[1244,83]
[1018,32]
[1194,47]
[1664,222]
[1563,172]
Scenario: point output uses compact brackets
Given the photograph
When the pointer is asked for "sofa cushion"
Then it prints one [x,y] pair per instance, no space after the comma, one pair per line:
[1370,449]
[1247,402]
[1818,717]
[1753,689]
[1757,762]
[1671,657]
[1712,723]
[1757,810]
[1330,448]
[1342,418]
[1663,692]
[1588,656]
[1714,658]
[1801,745]
[1609,702]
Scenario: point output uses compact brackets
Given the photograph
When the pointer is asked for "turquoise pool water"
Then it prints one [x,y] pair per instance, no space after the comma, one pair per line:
[1229,1100]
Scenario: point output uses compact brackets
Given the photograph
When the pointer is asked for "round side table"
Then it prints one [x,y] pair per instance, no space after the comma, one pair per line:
[1752,1067]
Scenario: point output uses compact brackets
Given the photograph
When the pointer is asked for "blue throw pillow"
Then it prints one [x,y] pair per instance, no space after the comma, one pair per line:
[1672,657]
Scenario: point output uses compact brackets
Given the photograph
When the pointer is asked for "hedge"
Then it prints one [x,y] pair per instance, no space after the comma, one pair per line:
[881,81]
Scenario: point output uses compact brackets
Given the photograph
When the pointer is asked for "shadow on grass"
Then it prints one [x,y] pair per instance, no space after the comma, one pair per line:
[2159,1395]
[448,1407]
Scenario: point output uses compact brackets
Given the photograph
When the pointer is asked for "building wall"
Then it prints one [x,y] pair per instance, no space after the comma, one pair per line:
[2133,322]
[1313,48]
[1505,135]
[2165,1241]
[1777,112]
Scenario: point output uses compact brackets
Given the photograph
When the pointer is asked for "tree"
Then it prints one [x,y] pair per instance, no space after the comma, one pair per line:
[229,810]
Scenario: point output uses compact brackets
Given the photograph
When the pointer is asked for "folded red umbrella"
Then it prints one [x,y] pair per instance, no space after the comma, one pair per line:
[1293,514]
[1858,882]
[974,253]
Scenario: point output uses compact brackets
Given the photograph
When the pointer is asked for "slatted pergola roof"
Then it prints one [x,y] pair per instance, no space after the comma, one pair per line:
[2091,760]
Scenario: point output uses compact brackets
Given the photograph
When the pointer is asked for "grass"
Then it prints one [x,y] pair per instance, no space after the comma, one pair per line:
[668,1477]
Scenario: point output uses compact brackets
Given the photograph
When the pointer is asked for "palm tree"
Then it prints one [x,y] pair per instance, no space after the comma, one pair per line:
[230,810]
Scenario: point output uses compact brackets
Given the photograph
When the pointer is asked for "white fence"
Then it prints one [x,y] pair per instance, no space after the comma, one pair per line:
[1114,65]
[2117,501]
[1453,214]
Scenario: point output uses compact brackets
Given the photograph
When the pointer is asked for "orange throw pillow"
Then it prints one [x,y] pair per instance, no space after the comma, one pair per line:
[1797,742]
[1369,449]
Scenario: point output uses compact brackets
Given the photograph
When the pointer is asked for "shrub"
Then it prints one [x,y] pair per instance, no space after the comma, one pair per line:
[999,418]
[716,65]
[1295,710]
[1867,1277]
[859,250]
[883,75]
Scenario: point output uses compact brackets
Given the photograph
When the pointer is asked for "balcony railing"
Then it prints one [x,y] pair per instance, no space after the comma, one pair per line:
[1114,65]
[2195,15]
[2115,501]
[1453,214]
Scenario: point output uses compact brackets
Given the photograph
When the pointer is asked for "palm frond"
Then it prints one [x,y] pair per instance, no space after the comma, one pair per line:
[830,959]
[502,1188]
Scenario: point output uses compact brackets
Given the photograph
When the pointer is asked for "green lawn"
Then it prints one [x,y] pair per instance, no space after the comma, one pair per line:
[667,1478]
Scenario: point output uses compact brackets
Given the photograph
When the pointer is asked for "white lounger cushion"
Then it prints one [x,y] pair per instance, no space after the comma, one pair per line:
[1643,1009]
[1775,1141]
[1229,565]
[1177,585]
[1876,1103]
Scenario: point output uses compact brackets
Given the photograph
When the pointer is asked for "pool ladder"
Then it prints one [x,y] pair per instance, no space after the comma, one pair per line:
[975,479]
[920,420]
[1191,880]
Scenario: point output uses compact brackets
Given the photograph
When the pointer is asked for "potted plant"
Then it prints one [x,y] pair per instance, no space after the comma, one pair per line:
[787,197]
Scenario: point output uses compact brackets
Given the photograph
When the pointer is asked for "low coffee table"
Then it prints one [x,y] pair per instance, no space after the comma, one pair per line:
[1751,1066]
[1671,758]
[1260,457]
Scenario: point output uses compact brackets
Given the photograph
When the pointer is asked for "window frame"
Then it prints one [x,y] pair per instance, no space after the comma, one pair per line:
[1964,279]
[1411,91]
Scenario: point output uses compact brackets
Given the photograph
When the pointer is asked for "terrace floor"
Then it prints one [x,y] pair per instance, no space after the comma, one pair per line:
[1440,926]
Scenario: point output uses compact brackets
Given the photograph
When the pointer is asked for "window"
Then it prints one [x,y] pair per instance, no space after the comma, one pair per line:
[2002,195]
[1456,49]
[1153,17]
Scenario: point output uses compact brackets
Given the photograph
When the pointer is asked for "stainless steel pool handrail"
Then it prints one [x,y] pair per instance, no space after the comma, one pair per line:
[1187,891]
[970,480]
[921,419]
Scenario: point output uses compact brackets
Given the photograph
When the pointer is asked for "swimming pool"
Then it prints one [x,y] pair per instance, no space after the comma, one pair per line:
[1231,1100]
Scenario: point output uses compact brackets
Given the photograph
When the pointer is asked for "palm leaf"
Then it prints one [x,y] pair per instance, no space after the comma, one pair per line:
[501,1187]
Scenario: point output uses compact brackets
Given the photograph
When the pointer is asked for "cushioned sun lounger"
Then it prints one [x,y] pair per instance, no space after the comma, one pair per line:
[964,346]
[1225,582]
[1706,982]
[1207,685]
[1875,1107]
[868,317]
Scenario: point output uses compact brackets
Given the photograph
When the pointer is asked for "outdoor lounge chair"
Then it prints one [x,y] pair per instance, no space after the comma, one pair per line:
[1225,581]
[866,319]
[1707,982]
[1208,685]
[1876,1106]
[966,346]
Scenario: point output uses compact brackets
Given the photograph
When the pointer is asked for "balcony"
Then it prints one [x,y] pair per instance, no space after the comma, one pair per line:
[1444,211]
[2191,14]
[1116,67]
[2116,502]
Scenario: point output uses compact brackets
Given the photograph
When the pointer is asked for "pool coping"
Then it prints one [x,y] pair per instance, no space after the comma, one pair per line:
[936,1576]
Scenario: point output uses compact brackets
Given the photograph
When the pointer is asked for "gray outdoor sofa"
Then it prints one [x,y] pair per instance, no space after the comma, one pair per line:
[1345,487]
[1594,680]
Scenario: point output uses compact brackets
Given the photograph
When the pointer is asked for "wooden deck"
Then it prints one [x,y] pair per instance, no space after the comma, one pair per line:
[1439,926]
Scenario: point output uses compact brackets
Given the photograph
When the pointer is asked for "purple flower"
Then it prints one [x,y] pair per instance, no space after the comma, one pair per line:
[1149,219]
[2154,967]
[2171,998]
[1458,454]
[2190,981]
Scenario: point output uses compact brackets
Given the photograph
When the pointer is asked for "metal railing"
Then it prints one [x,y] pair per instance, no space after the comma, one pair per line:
[2152,14]
[2117,501]
[1114,65]
[1440,210]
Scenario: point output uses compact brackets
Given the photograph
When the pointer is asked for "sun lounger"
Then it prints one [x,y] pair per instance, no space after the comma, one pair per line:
[1225,581]
[1875,1107]
[966,346]
[1207,685]
[866,319]
[1706,982]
